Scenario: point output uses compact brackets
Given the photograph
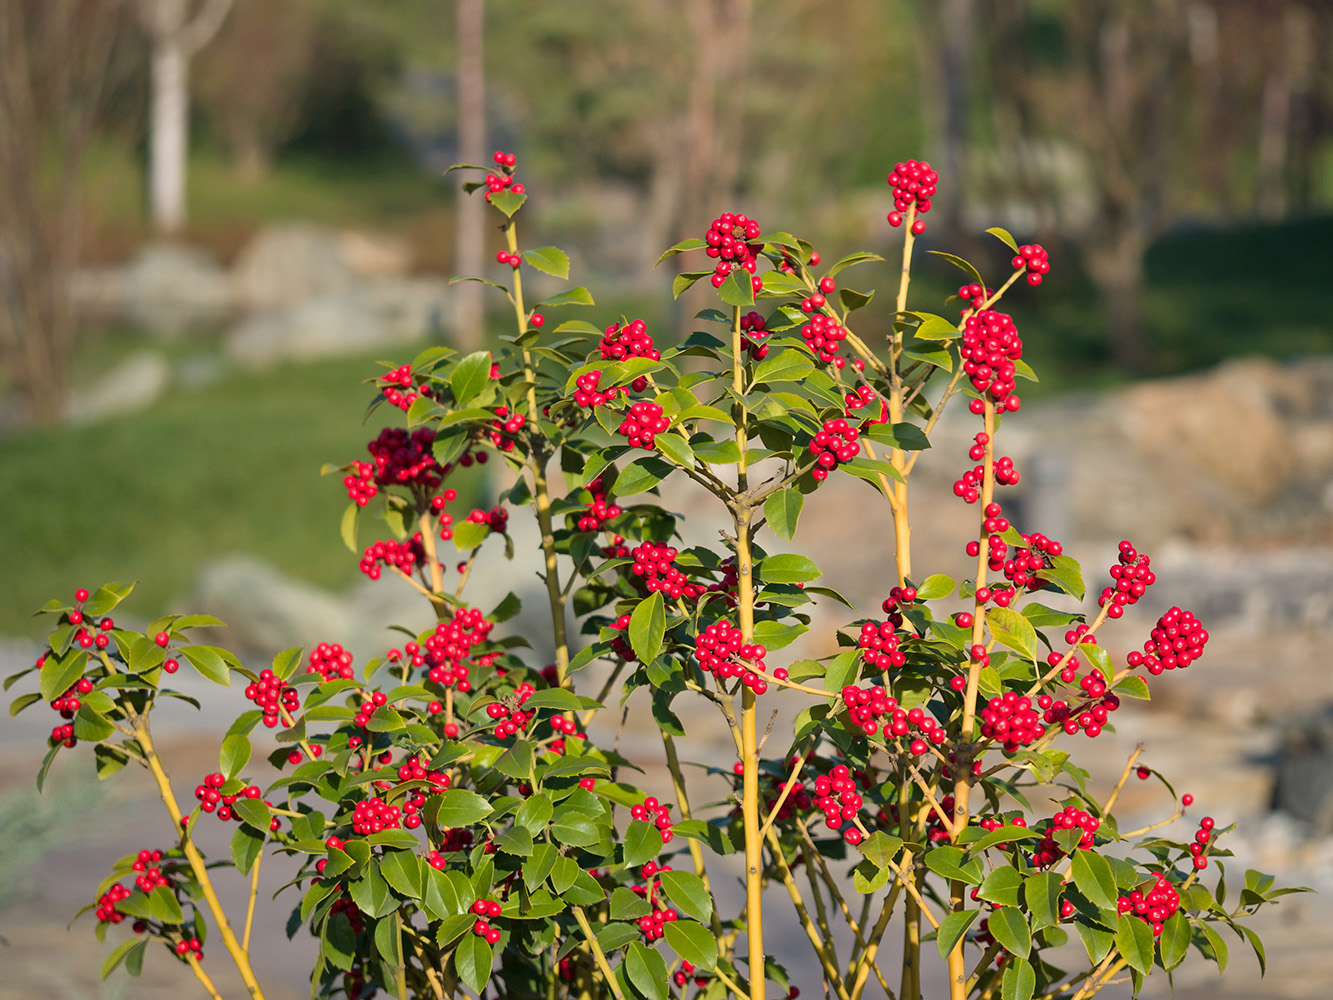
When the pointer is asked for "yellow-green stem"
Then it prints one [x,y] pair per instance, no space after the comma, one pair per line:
[598,955]
[682,800]
[238,954]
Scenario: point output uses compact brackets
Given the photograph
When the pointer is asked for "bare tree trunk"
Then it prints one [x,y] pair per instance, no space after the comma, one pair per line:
[470,230]
[1115,264]
[177,35]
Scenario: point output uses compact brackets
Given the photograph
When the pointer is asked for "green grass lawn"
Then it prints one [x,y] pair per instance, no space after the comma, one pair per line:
[229,467]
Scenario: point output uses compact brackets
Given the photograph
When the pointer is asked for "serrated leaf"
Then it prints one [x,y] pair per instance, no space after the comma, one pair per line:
[783,510]
[682,282]
[1216,945]
[209,661]
[952,929]
[647,970]
[402,870]
[507,202]
[1134,941]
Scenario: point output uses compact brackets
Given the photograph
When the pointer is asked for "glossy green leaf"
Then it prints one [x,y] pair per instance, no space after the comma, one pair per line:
[737,290]
[1013,631]
[952,863]
[643,842]
[59,673]
[507,202]
[535,813]
[1010,928]
[790,364]
[684,246]
[106,598]
[548,260]
[647,626]
[1020,980]
[1174,941]
[1041,892]
[1003,236]
[92,727]
[473,959]
[686,890]
[1097,941]
[952,929]
[1003,835]
[470,376]
[246,846]
[783,510]
[1216,947]
[1134,940]
[692,942]
[935,586]
[121,954]
[961,264]
[1093,876]
[1004,885]
[233,755]
[788,567]
[210,662]
[402,870]
[676,448]
[462,807]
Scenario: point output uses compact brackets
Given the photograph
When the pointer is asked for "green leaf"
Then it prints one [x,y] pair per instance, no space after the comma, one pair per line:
[539,865]
[1255,942]
[1134,940]
[535,813]
[1133,687]
[1020,980]
[1216,945]
[961,264]
[647,626]
[908,437]
[246,846]
[234,755]
[121,953]
[516,841]
[850,261]
[935,586]
[1096,941]
[461,807]
[643,842]
[23,701]
[1003,236]
[402,870]
[949,862]
[1093,876]
[60,672]
[692,942]
[162,903]
[508,202]
[1004,886]
[1010,928]
[389,942]
[737,290]
[473,958]
[1066,574]
[338,942]
[1003,835]
[934,327]
[548,260]
[1174,941]
[1041,892]
[577,296]
[106,598]
[676,448]
[853,300]
[783,510]
[254,812]
[210,662]
[684,246]
[683,281]
[371,892]
[788,567]
[92,727]
[952,929]
[1012,630]
[640,475]
[687,891]
[574,829]
[470,377]
[787,365]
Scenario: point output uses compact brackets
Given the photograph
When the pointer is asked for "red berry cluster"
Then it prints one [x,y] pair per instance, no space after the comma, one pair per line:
[656,813]
[866,705]
[643,423]
[404,556]
[653,566]
[991,824]
[1032,257]
[360,483]
[913,184]
[486,910]
[149,866]
[898,598]
[1010,719]
[837,798]
[187,947]
[106,904]
[969,486]
[1132,575]
[1177,641]
[630,340]
[835,444]
[497,519]
[330,661]
[587,394]
[879,645]
[1024,569]
[1155,907]
[455,839]
[68,705]
[502,430]
[504,180]
[682,975]
[273,695]
[753,332]
[512,259]
[1202,836]
[974,296]
[373,815]
[412,769]
[862,397]
[448,651]
[398,388]
[212,800]
[405,459]
[720,650]
[730,240]
[824,336]
[990,346]
[652,925]
[377,699]
[510,719]
[1069,818]
[600,510]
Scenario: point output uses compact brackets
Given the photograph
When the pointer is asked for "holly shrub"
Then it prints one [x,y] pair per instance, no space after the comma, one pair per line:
[456,831]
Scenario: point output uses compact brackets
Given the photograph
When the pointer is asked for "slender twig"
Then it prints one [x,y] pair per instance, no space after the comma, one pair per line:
[598,955]
[254,894]
[202,976]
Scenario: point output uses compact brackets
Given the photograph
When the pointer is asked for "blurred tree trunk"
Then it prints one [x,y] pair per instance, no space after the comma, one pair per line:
[177,31]
[470,229]
[948,27]
[57,60]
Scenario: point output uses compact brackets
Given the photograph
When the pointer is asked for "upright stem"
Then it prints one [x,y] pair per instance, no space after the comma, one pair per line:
[197,866]
[537,459]
[682,800]
[754,842]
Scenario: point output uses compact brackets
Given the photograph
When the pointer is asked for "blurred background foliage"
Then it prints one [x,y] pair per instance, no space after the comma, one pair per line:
[1175,156]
